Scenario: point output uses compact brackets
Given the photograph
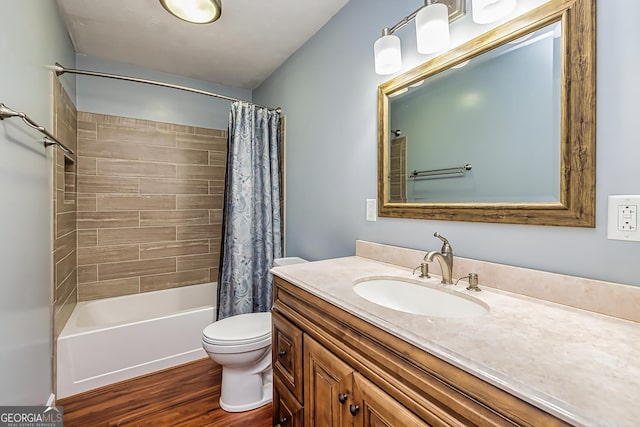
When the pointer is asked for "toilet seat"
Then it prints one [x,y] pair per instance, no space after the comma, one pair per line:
[243,332]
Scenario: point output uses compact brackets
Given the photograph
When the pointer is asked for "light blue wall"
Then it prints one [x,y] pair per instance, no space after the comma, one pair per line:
[140,101]
[32,37]
[328,93]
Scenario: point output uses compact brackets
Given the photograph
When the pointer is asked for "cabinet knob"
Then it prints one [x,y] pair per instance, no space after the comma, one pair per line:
[342,397]
[282,353]
[354,409]
[282,420]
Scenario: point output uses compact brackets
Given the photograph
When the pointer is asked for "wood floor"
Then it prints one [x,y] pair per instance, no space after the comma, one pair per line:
[184,396]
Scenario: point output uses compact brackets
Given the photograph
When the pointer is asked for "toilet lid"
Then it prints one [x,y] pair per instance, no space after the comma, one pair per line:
[243,328]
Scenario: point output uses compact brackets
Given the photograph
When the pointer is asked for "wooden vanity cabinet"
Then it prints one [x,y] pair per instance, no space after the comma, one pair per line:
[287,410]
[287,354]
[339,370]
[287,372]
[328,386]
[336,395]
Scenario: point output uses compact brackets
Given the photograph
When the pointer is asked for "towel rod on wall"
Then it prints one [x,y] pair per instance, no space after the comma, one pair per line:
[49,139]
[59,69]
[435,173]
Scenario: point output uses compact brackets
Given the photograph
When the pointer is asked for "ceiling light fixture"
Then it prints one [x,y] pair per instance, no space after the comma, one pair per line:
[432,33]
[487,11]
[194,11]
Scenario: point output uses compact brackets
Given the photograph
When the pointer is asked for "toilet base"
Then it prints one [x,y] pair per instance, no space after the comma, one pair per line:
[242,391]
[267,397]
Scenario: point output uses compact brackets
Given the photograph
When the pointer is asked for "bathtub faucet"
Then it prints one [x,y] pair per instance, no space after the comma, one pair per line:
[445,259]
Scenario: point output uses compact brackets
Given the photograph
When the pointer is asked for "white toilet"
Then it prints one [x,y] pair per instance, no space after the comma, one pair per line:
[242,346]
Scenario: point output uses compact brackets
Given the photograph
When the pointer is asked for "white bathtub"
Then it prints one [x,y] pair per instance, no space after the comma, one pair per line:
[114,339]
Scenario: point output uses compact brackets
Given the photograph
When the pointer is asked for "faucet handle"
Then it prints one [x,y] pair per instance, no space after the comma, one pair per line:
[446,247]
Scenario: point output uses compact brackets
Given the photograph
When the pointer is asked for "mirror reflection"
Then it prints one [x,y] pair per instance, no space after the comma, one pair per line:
[485,131]
[514,129]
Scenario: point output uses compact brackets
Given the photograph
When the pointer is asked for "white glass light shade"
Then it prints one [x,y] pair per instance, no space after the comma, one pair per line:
[194,11]
[388,58]
[432,28]
[487,11]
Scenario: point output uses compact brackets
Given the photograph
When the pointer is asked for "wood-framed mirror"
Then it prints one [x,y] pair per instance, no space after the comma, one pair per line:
[469,144]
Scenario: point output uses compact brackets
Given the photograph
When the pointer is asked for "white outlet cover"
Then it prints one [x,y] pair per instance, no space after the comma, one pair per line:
[614,231]
[372,210]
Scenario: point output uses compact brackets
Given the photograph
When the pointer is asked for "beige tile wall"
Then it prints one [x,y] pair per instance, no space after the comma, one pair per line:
[398,171]
[64,209]
[150,201]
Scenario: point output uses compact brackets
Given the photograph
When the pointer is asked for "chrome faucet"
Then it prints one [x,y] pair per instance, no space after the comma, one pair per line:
[445,259]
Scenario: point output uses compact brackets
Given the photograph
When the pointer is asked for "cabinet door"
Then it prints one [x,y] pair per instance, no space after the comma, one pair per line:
[371,407]
[287,353]
[328,383]
[287,411]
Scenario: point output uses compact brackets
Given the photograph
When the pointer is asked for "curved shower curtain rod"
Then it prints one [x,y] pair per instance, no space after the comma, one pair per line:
[60,70]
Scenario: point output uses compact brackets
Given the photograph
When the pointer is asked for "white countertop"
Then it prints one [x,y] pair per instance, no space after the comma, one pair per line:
[580,366]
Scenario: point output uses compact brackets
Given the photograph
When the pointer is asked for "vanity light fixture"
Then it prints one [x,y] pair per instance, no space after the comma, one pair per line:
[432,28]
[487,11]
[388,58]
[432,33]
[194,11]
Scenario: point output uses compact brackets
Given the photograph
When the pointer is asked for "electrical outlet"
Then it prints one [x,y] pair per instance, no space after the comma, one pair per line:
[623,218]
[627,217]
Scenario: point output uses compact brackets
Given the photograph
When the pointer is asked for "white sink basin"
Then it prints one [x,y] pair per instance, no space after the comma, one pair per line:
[418,299]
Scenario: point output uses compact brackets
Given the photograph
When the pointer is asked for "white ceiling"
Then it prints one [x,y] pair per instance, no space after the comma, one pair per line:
[241,49]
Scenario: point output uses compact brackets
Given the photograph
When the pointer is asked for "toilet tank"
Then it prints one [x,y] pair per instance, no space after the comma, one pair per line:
[279,262]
